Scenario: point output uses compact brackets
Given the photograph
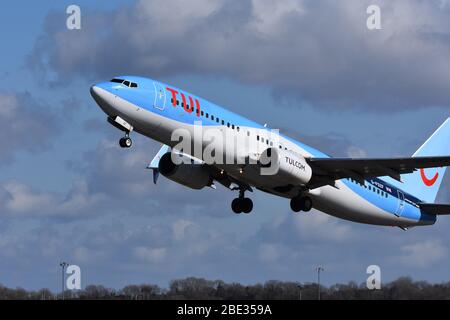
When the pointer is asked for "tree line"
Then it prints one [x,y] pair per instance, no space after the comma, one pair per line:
[198,288]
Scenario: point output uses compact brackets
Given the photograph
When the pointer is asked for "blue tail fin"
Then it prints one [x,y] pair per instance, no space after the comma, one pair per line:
[425,183]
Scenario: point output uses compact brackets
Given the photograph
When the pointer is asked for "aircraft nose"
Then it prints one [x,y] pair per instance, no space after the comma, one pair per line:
[102,97]
[99,94]
[95,92]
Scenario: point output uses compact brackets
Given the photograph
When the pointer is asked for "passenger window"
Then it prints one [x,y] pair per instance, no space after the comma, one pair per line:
[262,140]
[228,124]
[232,126]
[217,120]
[202,113]
[271,143]
[207,115]
[178,102]
[238,129]
[257,138]
[212,117]
[223,122]
[248,133]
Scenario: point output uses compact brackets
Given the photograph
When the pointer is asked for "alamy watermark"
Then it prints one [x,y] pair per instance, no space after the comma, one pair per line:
[374,20]
[373,282]
[73,280]
[238,146]
[73,21]
[71,277]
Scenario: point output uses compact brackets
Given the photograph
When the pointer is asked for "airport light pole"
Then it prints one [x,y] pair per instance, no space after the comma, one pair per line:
[300,287]
[63,266]
[319,269]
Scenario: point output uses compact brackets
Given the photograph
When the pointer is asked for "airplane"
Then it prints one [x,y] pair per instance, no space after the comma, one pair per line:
[397,192]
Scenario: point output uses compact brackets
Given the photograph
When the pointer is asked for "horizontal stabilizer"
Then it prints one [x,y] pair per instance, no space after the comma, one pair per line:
[434,208]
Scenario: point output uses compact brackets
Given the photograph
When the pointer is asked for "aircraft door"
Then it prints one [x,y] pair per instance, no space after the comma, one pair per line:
[401,203]
[160,96]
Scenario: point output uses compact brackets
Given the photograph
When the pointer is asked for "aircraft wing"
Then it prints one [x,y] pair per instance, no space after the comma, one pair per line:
[434,208]
[328,170]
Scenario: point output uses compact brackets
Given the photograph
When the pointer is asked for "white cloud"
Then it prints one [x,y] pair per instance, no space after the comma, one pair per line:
[320,51]
[85,255]
[269,15]
[423,254]
[152,255]
[269,253]
[179,228]
[26,125]
[320,226]
[355,152]
[19,199]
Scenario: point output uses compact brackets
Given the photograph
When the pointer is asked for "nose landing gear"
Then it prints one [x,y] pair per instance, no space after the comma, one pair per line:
[124,126]
[300,203]
[242,204]
[126,141]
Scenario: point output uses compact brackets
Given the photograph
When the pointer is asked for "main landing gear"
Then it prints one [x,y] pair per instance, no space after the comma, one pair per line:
[126,141]
[301,203]
[242,204]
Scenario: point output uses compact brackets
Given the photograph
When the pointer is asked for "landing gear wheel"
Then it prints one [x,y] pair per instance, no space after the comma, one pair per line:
[301,204]
[236,206]
[126,142]
[296,205]
[242,204]
[307,204]
[247,205]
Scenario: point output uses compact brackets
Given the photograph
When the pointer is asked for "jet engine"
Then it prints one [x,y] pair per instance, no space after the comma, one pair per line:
[187,173]
[285,167]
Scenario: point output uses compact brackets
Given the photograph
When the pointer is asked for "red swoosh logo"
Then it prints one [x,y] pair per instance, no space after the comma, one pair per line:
[428,182]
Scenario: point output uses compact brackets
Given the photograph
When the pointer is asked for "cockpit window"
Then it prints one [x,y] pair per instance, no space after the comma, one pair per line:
[125,83]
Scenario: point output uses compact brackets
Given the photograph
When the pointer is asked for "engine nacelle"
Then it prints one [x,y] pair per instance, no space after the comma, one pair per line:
[192,175]
[285,167]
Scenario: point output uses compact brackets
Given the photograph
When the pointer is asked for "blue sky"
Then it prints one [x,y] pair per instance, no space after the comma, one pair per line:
[312,69]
